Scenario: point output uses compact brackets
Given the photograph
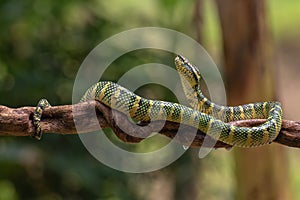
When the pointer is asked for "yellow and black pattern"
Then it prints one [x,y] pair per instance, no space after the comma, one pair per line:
[190,78]
[204,115]
[42,104]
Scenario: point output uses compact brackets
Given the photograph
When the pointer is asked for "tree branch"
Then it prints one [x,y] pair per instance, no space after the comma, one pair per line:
[60,119]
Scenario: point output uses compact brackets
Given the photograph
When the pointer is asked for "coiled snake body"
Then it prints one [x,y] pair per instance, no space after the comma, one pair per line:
[206,116]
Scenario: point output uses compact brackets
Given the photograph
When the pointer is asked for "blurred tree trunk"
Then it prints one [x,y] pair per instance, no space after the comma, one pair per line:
[250,73]
[198,20]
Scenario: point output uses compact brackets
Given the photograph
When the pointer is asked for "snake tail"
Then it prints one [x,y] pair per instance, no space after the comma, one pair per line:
[142,109]
[37,115]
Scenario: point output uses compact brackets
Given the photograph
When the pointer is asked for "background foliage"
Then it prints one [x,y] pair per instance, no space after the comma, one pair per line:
[42,44]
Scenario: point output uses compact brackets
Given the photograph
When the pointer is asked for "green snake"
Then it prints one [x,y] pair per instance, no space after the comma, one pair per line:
[203,114]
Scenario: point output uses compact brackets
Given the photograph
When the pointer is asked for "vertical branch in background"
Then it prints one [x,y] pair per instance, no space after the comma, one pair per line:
[261,172]
[198,20]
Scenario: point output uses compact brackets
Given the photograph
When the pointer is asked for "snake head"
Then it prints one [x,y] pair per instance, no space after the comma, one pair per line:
[187,71]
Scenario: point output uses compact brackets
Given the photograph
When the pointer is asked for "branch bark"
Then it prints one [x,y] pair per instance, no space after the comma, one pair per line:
[60,120]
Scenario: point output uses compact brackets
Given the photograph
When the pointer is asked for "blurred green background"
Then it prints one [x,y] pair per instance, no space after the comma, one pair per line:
[42,44]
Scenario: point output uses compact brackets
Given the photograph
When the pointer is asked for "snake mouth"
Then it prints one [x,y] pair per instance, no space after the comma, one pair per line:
[180,61]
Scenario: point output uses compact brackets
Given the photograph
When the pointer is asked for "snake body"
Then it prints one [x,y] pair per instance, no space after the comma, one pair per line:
[204,115]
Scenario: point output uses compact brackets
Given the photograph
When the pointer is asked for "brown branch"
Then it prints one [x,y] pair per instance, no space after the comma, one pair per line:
[60,119]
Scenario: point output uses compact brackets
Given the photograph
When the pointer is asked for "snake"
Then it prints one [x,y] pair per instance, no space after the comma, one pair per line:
[208,117]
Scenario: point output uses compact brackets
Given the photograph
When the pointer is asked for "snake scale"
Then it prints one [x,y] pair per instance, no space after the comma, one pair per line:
[203,114]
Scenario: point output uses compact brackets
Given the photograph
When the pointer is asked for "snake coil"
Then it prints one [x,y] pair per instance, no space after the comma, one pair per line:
[203,114]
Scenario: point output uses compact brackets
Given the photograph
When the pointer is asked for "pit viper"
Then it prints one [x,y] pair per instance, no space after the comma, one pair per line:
[202,114]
